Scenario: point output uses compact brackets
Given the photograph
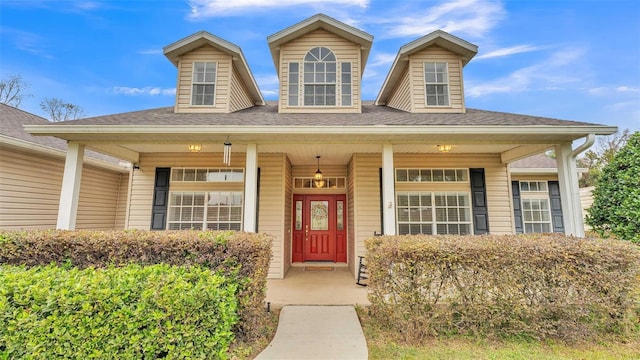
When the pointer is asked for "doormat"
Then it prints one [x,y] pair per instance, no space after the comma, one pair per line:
[318,268]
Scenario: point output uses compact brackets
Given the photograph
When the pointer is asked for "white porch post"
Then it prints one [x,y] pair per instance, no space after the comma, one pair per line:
[388,191]
[251,189]
[569,190]
[70,192]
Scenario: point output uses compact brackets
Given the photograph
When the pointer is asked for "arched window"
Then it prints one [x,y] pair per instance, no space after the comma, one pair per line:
[319,77]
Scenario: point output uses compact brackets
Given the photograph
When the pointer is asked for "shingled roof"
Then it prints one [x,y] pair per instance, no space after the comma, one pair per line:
[371,115]
[11,127]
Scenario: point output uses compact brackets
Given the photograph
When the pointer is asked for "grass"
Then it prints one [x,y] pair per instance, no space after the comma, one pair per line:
[247,351]
[385,344]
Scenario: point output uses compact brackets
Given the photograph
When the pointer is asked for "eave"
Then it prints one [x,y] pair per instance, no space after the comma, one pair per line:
[175,50]
[464,49]
[320,21]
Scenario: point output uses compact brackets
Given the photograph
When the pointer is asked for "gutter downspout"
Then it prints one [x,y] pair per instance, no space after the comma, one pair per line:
[575,188]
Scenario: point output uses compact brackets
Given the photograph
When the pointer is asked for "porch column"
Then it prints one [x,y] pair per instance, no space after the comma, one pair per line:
[70,192]
[569,190]
[251,189]
[388,191]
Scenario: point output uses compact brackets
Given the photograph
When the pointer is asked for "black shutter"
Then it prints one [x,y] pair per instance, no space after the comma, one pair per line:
[160,197]
[479,202]
[381,202]
[517,206]
[556,207]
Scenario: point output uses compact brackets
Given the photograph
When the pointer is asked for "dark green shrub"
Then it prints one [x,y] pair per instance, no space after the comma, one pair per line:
[616,197]
[537,286]
[242,257]
[132,312]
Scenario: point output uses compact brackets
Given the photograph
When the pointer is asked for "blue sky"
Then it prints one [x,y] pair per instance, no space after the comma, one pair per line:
[566,59]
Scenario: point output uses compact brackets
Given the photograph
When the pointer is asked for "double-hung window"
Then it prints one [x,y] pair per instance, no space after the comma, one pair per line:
[203,84]
[320,77]
[436,79]
[536,212]
[425,212]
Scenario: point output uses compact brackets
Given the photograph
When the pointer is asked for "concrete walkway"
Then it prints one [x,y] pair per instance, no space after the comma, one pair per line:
[317,332]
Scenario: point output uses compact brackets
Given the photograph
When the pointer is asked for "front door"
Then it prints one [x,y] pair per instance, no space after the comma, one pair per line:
[319,228]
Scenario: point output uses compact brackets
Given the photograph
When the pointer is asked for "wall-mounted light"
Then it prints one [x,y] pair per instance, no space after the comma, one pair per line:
[444,148]
[194,147]
[318,178]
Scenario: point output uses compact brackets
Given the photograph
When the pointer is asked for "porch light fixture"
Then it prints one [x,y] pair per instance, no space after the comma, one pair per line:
[194,147]
[227,152]
[444,148]
[318,179]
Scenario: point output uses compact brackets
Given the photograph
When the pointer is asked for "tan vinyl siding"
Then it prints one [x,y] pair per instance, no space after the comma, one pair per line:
[366,201]
[272,211]
[144,178]
[345,51]
[351,210]
[30,186]
[240,98]
[99,207]
[456,95]
[400,98]
[496,176]
[185,77]
[288,214]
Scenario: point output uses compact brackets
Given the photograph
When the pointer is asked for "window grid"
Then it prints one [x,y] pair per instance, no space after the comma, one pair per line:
[319,77]
[345,80]
[536,209]
[207,175]
[329,183]
[436,79]
[212,210]
[432,175]
[433,213]
[203,84]
[294,78]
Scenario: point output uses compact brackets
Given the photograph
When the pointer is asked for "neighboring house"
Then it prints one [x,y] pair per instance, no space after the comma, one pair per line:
[31,169]
[320,169]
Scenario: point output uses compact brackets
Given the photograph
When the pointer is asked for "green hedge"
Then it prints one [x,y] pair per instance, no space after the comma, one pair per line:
[132,312]
[241,257]
[539,286]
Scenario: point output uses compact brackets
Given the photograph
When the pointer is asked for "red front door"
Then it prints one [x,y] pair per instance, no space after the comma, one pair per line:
[319,228]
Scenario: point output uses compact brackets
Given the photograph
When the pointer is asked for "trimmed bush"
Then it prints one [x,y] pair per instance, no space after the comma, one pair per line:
[538,286]
[241,257]
[133,312]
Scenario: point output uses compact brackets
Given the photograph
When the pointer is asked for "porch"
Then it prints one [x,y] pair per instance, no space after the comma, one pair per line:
[316,284]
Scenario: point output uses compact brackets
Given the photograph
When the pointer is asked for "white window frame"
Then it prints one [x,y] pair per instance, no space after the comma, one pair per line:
[201,218]
[438,84]
[428,175]
[204,83]
[538,198]
[209,175]
[346,84]
[433,209]
[293,95]
[320,77]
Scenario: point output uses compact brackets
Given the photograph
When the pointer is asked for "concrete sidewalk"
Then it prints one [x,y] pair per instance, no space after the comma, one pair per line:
[317,332]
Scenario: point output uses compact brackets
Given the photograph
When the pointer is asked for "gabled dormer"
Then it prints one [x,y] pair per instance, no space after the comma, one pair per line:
[213,75]
[320,62]
[426,75]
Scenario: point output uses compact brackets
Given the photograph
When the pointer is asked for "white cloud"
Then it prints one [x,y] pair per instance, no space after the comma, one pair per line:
[381,59]
[545,75]
[150,51]
[473,18]
[133,91]
[518,49]
[213,8]
[627,89]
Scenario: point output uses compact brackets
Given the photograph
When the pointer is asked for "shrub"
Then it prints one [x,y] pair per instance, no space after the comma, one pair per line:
[242,257]
[132,312]
[616,197]
[537,286]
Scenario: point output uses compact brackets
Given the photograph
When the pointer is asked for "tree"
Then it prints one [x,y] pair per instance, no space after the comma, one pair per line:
[13,90]
[600,155]
[59,110]
[616,197]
